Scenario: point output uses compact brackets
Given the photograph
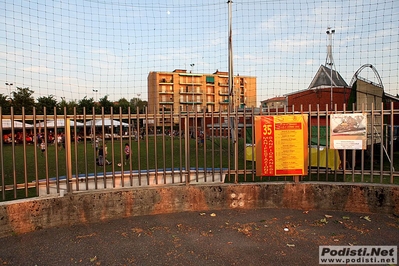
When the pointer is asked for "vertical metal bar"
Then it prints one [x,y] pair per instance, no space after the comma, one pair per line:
[329,112]
[35,143]
[130,142]
[75,143]
[391,179]
[229,141]
[85,149]
[68,152]
[121,146]
[212,135]
[24,154]
[3,185]
[203,141]
[196,146]
[139,141]
[156,147]
[353,152]
[244,136]
[235,143]
[183,133]
[343,161]
[112,148]
[335,161]
[372,118]
[57,179]
[103,146]
[146,142]
[163,146]
[95,150]
[46,150]
[253,142]
[187,146]
[318,140]
[362,153]
[14,173]
[310,142]
[172,150]
[220,144]
[381,146]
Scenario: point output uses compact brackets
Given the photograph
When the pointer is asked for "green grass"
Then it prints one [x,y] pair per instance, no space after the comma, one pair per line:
[23,166]
[26,165]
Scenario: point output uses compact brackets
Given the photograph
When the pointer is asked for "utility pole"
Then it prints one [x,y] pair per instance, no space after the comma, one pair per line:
[230,44]
[231,91]
[330,62]
[192,83]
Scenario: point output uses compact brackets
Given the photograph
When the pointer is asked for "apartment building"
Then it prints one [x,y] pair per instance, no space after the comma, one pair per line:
[181,91]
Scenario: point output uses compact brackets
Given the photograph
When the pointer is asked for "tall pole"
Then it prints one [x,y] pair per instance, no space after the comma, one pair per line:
[330,62]
[231,76]
[95,91]
[231,90]
[192,83]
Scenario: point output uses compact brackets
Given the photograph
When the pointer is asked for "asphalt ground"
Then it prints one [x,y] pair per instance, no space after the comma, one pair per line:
[225,237]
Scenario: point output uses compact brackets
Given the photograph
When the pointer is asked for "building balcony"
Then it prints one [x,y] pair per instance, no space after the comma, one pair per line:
[166,80]
[191,83]
[166,92]
[224,102]
[190,102]
[165,112]
[197,92]
[166,102]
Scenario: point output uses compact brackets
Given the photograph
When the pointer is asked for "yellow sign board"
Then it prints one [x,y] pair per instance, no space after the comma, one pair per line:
[281,145]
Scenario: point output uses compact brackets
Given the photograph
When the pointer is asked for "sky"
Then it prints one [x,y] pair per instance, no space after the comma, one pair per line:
[91,48]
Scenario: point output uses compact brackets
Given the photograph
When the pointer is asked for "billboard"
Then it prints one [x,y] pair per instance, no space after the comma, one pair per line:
[282,145]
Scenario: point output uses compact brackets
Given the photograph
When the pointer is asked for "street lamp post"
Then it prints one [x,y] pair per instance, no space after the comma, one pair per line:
[138,100]
[9,88]
[330,62]
[95,91]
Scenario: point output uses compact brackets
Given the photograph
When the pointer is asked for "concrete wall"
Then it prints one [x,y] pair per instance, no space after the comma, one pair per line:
[88,207]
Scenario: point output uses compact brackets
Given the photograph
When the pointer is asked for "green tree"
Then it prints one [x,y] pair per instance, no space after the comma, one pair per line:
[124,105]
[5,104]
[46,101]
[85,103]
[107,104]
[22,97]
[69,106]
[137,102]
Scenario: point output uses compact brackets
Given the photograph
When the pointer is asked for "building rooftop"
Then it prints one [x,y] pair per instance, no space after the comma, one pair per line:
[323,78]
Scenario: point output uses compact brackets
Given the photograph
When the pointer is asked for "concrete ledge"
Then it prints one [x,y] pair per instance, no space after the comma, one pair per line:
[88,207]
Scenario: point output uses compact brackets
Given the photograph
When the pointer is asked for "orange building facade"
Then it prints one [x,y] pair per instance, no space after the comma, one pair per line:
[181,92]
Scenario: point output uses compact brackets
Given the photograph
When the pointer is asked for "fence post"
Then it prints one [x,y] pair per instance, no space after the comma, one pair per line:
[68,153]
[187,147]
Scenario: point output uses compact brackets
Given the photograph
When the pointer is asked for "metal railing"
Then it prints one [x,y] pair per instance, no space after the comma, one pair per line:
[51,154]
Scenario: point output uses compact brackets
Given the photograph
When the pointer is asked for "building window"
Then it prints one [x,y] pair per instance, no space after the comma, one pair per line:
[210,79]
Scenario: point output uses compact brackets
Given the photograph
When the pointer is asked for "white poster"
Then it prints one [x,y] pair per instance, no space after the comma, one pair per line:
[348,131]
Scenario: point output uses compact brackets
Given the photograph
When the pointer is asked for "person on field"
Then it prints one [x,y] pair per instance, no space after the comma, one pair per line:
[127,152]
[43,147]
[100,158]
[102,155]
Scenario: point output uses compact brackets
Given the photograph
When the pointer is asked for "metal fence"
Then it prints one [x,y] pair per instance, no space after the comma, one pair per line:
[58,154]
